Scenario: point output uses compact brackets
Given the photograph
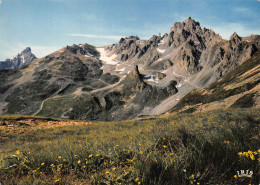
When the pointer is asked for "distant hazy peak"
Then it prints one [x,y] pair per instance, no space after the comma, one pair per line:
[21,59]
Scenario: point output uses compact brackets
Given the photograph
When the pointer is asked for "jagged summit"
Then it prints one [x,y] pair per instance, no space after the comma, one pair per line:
[21,59]
[26,50]
[235,37]
[191,22]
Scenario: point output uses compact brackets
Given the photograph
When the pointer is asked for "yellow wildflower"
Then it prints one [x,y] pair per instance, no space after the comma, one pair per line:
[171,154]
[137,179]
[42,164]
[107,172]
[79,161]
[57,180]
[90,155]
[113,169]
[59,157]
[240,153]
[123,150]
[75,155]
[164,146]
[97,155]
[141,153]
[18,152]
[139,182]
[258,150]
[235,176]
[252,157]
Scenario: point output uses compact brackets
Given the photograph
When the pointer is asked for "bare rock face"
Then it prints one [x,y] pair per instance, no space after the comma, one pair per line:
[135,80]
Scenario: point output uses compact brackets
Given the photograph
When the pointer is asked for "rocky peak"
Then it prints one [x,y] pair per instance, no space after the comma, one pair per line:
[235,37]
[189,22]
[26,50]
[83,49]
[134,38]
[21,59]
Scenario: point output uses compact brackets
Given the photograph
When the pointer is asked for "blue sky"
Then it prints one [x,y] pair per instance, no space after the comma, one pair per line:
[47,25]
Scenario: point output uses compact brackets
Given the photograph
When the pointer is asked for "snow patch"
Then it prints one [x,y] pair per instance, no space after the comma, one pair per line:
[107,59]
[179,85]
[122,70]
[152,80]
[162,42]
[23,60]
[160,50]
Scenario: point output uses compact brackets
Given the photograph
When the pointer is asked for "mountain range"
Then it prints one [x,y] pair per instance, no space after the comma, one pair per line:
[188,69]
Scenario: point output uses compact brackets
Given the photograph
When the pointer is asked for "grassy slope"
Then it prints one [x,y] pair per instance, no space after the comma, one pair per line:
[175,149]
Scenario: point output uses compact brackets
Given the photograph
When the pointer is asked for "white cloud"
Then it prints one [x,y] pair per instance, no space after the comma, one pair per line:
[95,36]
[241,9]
[258,0]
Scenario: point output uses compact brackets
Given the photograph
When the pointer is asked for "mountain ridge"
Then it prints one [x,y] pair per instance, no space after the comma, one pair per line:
[127,79]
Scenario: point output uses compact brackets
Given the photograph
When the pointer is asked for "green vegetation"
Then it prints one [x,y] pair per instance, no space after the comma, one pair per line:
[56,106]
[204,148]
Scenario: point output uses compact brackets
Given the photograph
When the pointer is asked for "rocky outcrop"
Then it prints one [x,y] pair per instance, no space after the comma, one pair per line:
[238,89]
[22,59]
